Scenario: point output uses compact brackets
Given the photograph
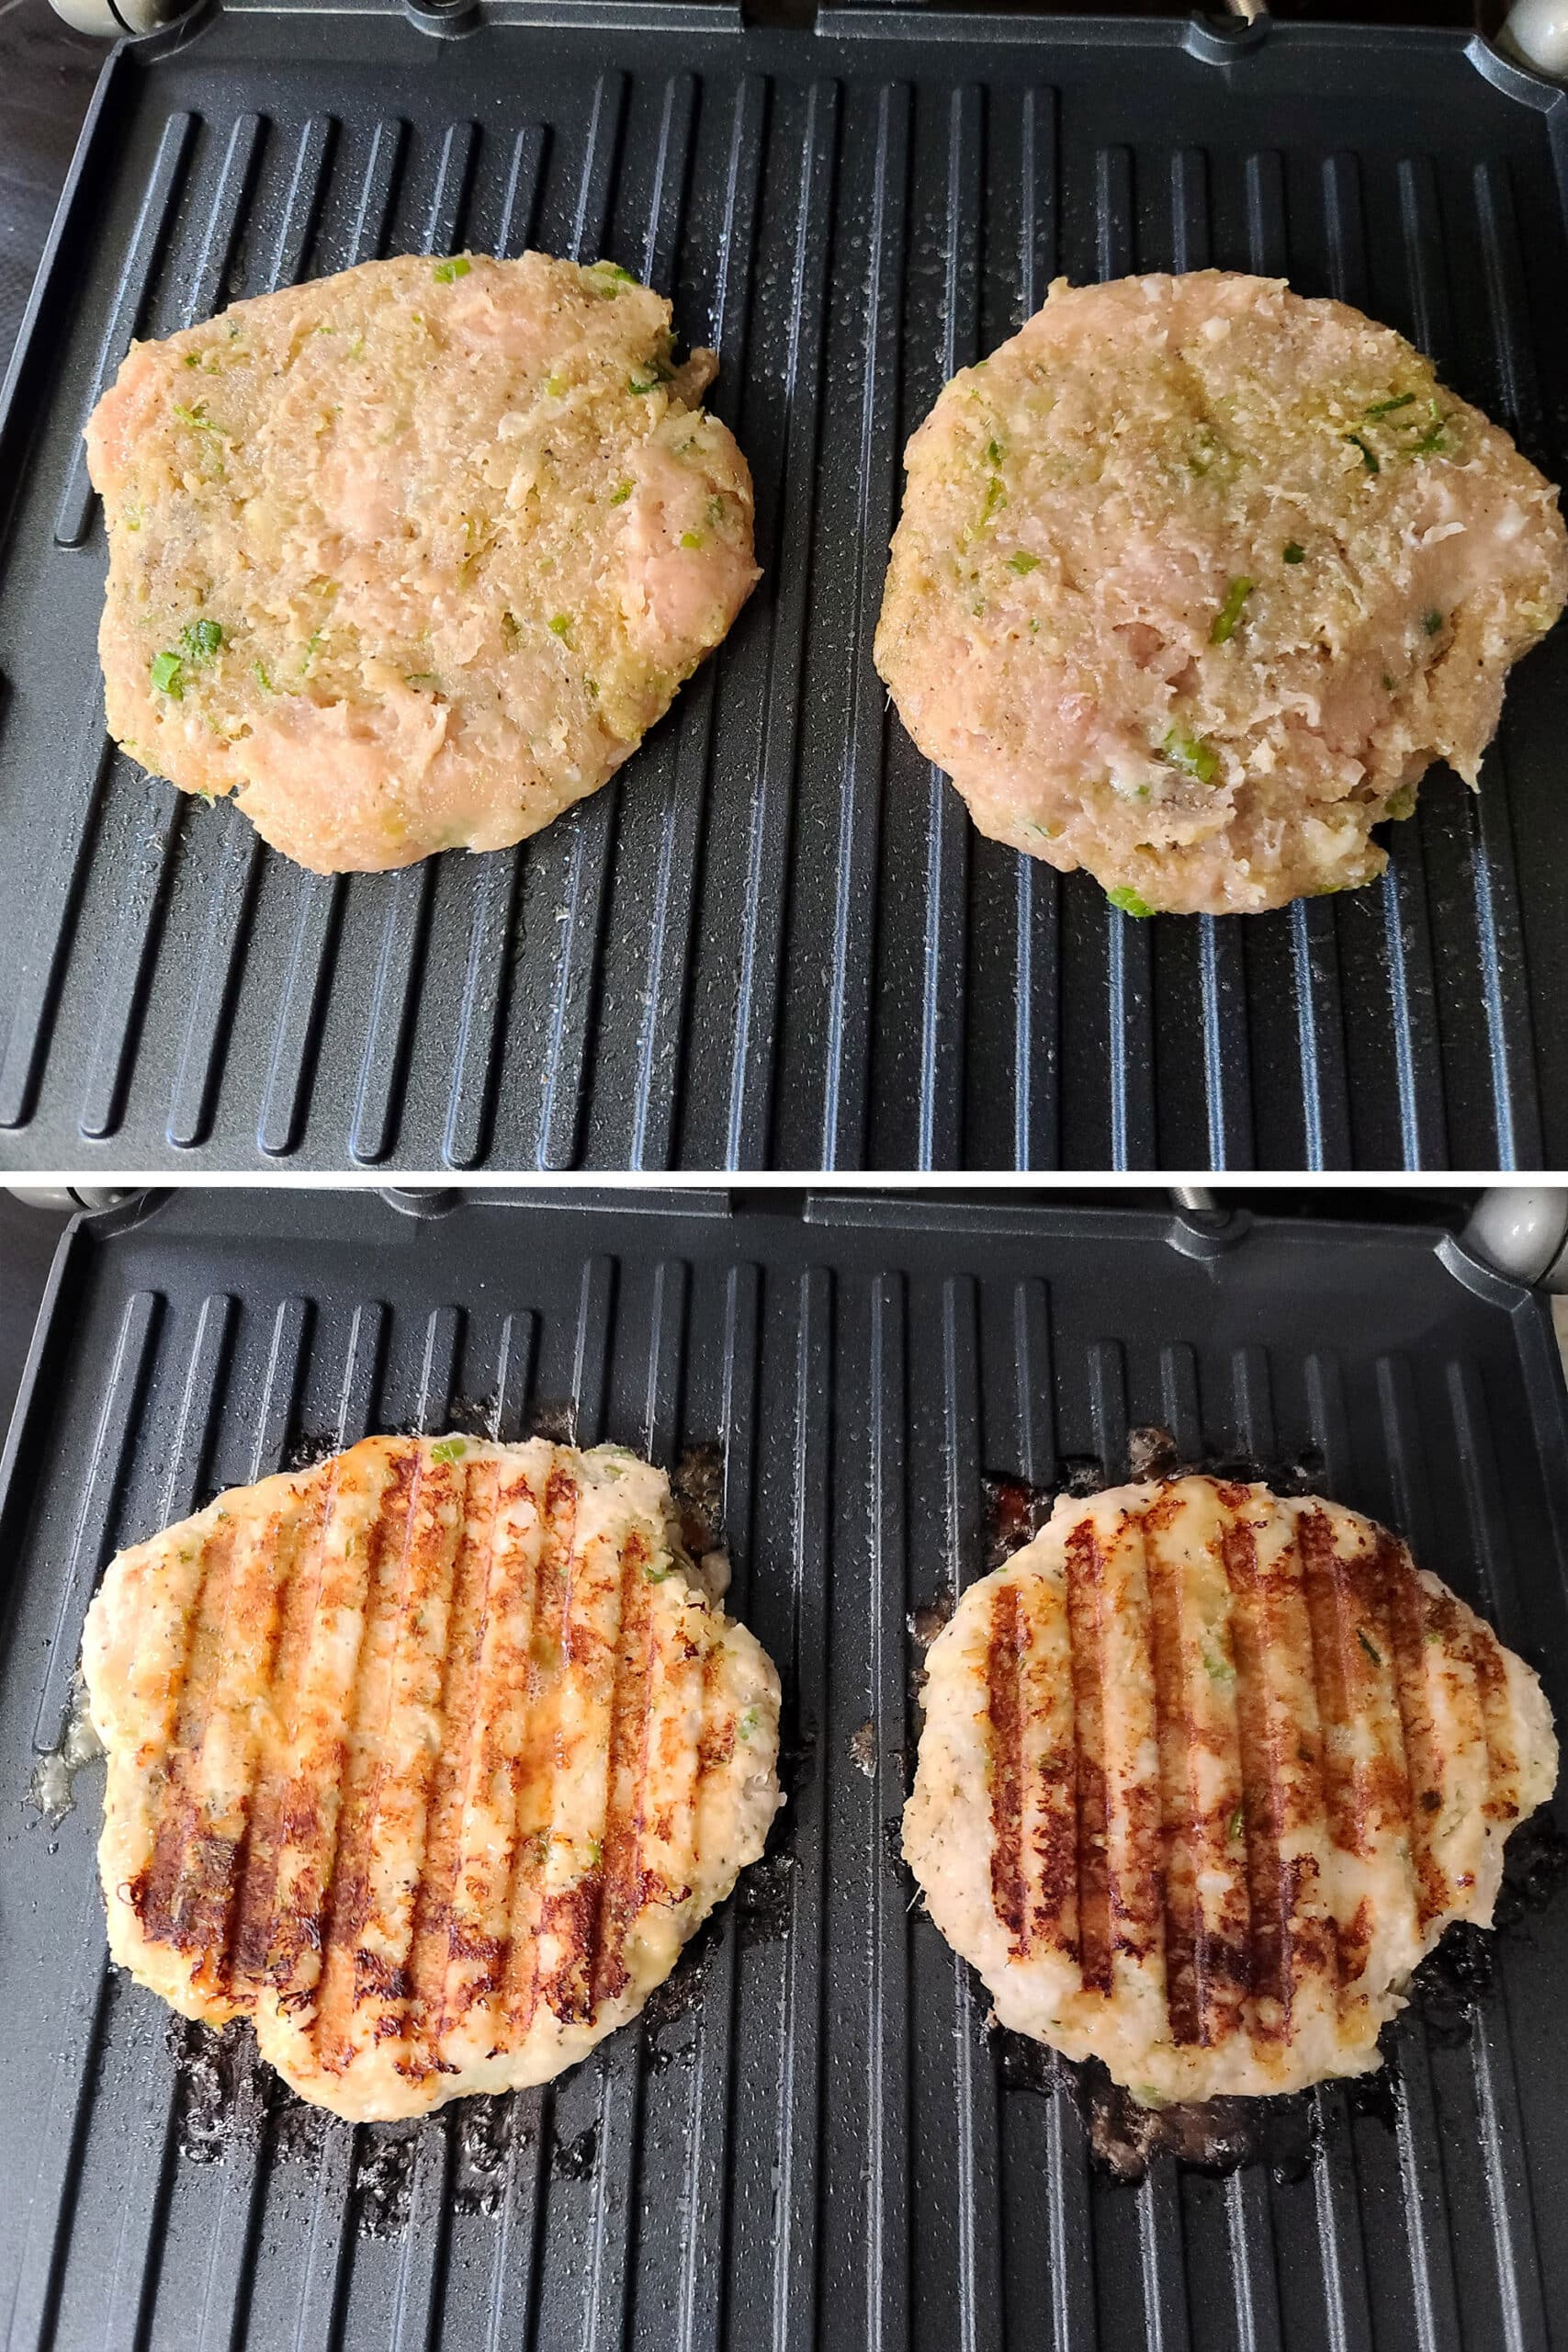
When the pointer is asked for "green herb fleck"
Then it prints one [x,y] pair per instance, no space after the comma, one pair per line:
[1294,551]
[451,1449]
[1129,902]
[1191,753]
[165,675]
[1431,623]
[620,494]
[1239,1824]
[262,681]
[690,538]
[198,419]
[993,452]
[1215,1664]
[595,1852]
[1225,619]
[659,1576]
[200,640]
[716,512]
[561,624]
[1369,1646]
[555,386]
[1387,684]
[1369,456]
[1022,563]
[445,272]
[642,383]
[1387,408]
[748,1723]
[1402,804]
[1435,437]
[193,358]
[995,496]
[608,277]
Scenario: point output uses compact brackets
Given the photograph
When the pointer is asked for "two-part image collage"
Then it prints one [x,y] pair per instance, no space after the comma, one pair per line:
[784,1176]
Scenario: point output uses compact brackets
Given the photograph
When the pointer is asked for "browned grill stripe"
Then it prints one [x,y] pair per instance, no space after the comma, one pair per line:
[181,1896]
[620,1875]
[1485,1655]
[250,1927]
[1265,1955]
[1006,1718]
[1176,1814]
[1085,1621]
[539,1762]
[1320,1577]
[343,1898]
[1398,1603]
[461,1729]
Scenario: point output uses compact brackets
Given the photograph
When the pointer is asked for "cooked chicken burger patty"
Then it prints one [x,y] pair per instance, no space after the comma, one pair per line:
[1205,1770]
[409,559]
[429,1760]
[1193,578]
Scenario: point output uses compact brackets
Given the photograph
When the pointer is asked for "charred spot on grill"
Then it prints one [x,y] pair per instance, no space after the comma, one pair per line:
[1452,1981]
[763,1906]
[1081,1473]
[697,1483]
[307,1449]
[1215,2136]
[222,2091]
[927,1622]
[1151,1452]
[556,1421]
[575,2159]
[1014,1512]
[383,2177]
[1535,1868]
[489,2129]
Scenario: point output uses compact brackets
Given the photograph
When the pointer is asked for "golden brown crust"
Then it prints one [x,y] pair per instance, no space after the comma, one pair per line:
[428,1758]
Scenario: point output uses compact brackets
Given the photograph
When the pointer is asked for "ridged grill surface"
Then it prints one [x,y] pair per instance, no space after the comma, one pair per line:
[1204,1770]
[775,939]
[814,2140]
[415,1760]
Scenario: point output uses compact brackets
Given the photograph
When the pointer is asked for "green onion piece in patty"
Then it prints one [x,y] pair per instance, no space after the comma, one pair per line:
[1294,551]
[200,640]
[560,623]
[1386,408]
[1021,563]
[1229,613]
[1369,456]
[1191,753]
[1431,622]
[445,272]
[165,674]
[1129,902]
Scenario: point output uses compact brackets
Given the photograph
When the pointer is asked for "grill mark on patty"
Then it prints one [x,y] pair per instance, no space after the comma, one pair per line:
[539,1762]
[1266,1951]
[430,1940]
[345,1884]
[1006,1718]
[621,1891]
[1084,1571]
[1485,1655]
[1398,1601]
[1314,1538]
[174,1896]
[253,1950]
[1177,1825]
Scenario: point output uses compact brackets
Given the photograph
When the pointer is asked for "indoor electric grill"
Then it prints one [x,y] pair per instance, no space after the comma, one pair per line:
[775,940]
[812,2138]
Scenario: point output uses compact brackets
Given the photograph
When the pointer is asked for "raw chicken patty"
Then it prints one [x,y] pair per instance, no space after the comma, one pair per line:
[1194,577]
[1205,1772]
[409,559]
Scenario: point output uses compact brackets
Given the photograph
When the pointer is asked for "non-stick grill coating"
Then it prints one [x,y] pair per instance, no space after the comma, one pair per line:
[811,2140]
[776,939]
